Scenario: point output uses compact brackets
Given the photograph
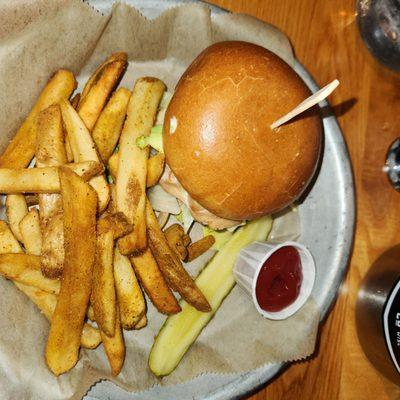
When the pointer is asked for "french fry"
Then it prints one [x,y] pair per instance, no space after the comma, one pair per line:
[132,306]
[154,284]
[155,168]
[108,127]
[8,242]
[103,298]
[132,166]
[16,209]
[25,268]
[21,149]
[52,256]
[43,180]
[50,152]
[80,206]
[84,149]
[117,223]
[31,233]
[174,273]
[75,100]
[178,240]
[142,323]
[46,302]
[99,87]
[113,165]
[115,347]
[196,249]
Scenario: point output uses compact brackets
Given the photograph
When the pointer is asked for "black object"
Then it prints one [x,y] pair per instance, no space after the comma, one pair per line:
[378,314]
[379,22]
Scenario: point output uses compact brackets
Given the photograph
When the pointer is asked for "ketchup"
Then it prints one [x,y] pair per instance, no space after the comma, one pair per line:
[279,281]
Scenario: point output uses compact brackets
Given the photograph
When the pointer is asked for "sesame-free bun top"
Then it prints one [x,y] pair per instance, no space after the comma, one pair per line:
[217,136]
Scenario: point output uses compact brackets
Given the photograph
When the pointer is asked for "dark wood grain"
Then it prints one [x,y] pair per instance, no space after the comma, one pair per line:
[326,40]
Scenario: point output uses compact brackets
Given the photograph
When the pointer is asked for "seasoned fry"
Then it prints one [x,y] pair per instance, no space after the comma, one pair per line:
[52,257]
[50,152]
[178,240]
[31,234]
[16,209]
[108,127]
[99,87]
[196,249]
[75,100]
[155,168]
[132,166]
[80,206]
[84,149]
[8,242]
[46,302]
[113,165]
[117,223]
[142,323]
[154,283]
[42,180]
[115,346]
[25,268]
[176,276]
[103,298]
[132,305]
[21,149]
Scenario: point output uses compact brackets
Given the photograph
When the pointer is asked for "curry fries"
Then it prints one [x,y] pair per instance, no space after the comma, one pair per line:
[31,234]
[43,180]
[16,209]
[99,87]
[132,306]
[108,127]
[132,166]
[21,149]
[177,277]
[154,284]
[84,149]
[80,206]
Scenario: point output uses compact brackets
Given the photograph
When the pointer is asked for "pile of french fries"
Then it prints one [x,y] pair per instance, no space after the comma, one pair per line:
[82,248]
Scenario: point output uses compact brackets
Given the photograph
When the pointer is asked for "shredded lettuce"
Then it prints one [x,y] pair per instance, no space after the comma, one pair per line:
[154,139]
[185,217]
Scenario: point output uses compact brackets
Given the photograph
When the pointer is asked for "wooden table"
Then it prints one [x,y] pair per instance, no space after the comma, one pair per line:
[326,40]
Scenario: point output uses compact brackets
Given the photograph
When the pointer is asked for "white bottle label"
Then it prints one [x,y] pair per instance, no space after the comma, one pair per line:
[391,325]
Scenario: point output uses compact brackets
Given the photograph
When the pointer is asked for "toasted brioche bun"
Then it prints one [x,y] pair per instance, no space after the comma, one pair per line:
[217,136]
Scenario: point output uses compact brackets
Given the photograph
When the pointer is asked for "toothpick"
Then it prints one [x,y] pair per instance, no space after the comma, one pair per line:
[307,103]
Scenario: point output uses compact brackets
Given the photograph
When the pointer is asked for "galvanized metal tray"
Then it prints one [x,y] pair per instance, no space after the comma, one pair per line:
[328,218]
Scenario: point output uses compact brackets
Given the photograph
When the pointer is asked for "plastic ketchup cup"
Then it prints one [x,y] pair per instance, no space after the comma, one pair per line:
[278,277]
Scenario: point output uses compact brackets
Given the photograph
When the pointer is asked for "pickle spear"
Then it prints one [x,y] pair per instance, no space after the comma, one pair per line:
[215,281]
